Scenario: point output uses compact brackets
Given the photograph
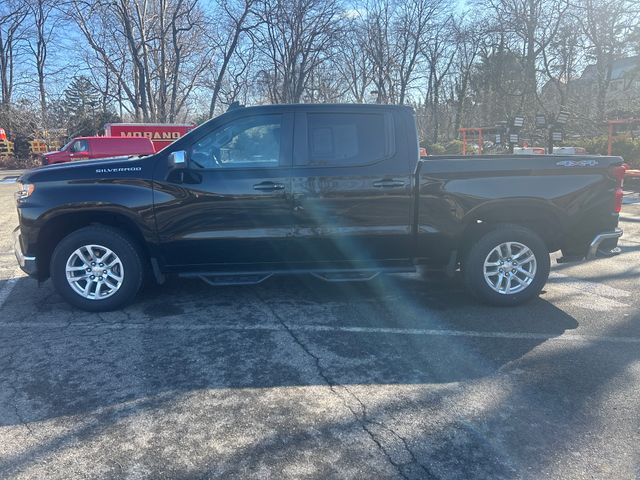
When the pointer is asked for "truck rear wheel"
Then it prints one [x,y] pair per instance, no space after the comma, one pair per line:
[97,269]
[507,266]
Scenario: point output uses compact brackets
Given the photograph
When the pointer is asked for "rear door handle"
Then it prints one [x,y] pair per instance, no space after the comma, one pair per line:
[268,186]
[388,183]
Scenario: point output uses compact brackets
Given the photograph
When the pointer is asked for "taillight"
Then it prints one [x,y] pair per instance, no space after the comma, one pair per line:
[617,173]
[617,206]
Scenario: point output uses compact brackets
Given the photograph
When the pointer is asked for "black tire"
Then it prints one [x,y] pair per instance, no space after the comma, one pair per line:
[474,265]
[113,239]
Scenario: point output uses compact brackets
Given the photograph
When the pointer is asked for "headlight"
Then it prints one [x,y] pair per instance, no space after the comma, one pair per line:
[25,190]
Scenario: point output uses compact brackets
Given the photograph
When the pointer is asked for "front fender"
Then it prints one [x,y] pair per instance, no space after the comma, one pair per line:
[56,209]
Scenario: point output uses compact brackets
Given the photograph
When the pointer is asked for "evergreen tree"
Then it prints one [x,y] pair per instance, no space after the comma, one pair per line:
[81,98]
[82,108]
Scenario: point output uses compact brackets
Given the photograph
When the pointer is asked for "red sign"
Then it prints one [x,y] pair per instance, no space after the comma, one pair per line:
[161,134]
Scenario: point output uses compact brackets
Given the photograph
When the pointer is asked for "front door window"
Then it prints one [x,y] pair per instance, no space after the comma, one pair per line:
[80,146]
[250,142]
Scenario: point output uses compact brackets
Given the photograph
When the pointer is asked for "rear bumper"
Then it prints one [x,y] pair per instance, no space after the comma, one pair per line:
[27,263]
[604,244]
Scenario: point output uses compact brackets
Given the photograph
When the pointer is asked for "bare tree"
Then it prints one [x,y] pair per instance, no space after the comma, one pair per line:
[239,19]
[532,25]
[560,61]
[12,17]
[98,25]
[352,61]
[396,35]
[155,51]
[379,17]
[440,54]
[44,22]
[608,26]
[166,60]
[237,84]
[468,37]
[295,38]
[496,82]
[415,21]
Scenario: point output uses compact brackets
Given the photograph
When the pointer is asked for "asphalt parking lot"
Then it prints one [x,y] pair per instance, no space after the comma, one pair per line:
[298,378]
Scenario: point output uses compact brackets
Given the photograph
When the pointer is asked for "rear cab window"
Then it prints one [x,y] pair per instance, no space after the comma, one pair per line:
[347,139]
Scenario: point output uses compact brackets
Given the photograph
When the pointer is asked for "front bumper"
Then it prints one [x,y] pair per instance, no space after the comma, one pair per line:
[604,244]
[28,264]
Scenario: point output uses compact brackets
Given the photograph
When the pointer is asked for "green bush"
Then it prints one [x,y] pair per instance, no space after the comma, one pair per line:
[452,147]
[435,149]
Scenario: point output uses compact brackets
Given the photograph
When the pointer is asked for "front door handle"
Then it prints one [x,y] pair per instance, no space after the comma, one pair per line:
[268,186]
[388,183]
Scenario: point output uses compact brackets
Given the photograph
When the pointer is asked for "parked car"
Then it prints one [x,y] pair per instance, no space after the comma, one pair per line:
[88,148]
[529,151]
[338,191]
[569,151]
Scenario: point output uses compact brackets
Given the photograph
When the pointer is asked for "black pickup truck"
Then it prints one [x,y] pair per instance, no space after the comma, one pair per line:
[337,191]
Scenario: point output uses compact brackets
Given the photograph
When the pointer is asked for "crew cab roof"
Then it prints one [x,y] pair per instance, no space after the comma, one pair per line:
[305,107]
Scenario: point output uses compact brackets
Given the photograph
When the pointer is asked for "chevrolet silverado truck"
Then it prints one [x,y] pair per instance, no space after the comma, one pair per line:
[337,191]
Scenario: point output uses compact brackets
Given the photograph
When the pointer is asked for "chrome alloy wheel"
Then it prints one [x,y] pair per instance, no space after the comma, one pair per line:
[510,268]
[94,272]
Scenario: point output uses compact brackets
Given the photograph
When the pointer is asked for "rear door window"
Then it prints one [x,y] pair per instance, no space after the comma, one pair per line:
[347,139]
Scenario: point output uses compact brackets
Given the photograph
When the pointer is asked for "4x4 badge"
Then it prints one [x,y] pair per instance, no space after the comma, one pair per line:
[577,163]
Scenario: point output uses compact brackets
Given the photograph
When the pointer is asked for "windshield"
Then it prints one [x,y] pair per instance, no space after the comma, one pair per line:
[67,145]
[188,134]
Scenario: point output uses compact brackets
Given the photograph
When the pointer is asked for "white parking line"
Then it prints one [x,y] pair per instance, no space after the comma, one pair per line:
[596,296]
[591,288]
[630,198]
[276,327]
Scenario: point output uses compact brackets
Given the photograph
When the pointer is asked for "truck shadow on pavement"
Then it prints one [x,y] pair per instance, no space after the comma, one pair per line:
[189,335]
[541,416]
[100,371]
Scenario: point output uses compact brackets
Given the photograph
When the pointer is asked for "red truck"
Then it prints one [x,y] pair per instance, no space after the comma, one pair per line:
[86,148]
[160,134]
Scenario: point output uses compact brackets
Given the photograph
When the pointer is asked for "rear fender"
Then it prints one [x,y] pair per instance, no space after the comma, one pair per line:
[540,216]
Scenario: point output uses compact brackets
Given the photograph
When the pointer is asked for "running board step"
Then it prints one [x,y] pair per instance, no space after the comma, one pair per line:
[328,275]
[222,280]
[345,276]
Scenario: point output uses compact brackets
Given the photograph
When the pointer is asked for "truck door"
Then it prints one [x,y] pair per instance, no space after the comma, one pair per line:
[351,186]
[233,204]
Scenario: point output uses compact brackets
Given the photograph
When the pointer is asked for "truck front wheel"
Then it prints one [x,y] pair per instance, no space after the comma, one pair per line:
[97,269]
[507,266]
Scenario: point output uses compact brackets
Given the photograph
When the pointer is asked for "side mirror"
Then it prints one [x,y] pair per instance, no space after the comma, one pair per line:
[178,160]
